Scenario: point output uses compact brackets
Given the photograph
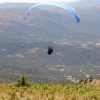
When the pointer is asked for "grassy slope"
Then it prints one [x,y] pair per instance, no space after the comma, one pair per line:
[49,91]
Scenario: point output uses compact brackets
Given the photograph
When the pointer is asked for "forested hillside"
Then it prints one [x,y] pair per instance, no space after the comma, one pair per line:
[24,44]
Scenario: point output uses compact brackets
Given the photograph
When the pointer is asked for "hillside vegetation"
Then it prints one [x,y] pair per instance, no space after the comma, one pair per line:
[25,90]
[49,91]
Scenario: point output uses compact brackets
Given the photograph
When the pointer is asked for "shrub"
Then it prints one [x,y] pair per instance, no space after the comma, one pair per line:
[23,82]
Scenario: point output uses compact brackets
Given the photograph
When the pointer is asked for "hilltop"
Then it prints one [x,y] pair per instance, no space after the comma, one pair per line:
[49,91]
[90,81]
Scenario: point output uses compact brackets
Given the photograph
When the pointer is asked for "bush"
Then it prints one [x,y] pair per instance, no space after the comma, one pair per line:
[23,82]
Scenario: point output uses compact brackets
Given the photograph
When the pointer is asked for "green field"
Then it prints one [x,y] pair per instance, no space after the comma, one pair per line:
[49,91]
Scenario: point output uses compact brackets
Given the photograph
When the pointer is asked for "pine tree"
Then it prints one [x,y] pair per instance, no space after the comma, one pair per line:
[23,82]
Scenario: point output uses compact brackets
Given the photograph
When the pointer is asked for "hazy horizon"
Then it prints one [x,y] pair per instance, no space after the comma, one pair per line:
[35,1]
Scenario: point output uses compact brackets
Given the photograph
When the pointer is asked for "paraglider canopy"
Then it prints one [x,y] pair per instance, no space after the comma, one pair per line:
[58,4]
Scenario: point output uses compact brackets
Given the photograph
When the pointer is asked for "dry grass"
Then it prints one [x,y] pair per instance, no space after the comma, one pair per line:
[49,92]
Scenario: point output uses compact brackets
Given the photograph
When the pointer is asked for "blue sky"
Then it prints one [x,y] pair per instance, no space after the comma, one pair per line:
[34,1]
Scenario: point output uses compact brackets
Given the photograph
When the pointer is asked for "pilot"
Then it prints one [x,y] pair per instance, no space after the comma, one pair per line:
[50,50]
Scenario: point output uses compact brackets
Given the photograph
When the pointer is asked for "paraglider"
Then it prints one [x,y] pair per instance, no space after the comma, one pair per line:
[58,4]
[50,50]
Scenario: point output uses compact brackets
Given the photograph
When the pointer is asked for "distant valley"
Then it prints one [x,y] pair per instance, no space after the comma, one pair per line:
[24,43]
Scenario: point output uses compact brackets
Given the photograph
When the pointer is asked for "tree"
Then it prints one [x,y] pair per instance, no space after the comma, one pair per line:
[23,82]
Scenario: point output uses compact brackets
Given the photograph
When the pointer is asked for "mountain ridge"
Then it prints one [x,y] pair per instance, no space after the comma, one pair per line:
[79,3]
